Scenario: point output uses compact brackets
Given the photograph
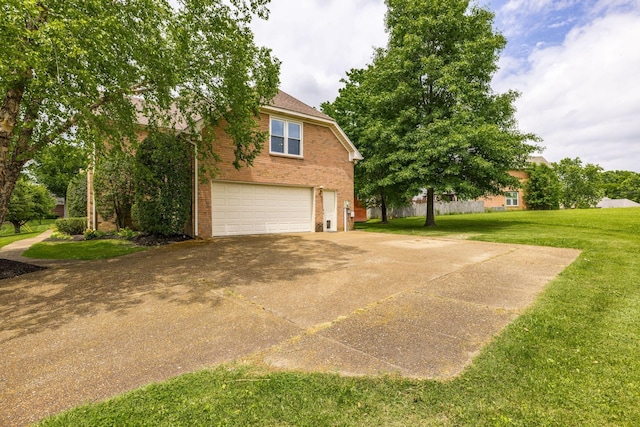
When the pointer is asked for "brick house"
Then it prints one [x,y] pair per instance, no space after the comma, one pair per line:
[513,199]
[302,181]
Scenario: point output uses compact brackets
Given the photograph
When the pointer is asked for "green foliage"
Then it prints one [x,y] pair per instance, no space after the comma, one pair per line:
[82,72]
[58,235]
[72,226]
[581,185]
[91,234]
[114,188]
[127,233]
[29,201]
[77,195]
[621,185]
[542,191]
[163,184]
[424,115]
[55,166]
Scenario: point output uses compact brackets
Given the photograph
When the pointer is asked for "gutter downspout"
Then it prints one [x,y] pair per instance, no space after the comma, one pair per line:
[195,202]
[345,219]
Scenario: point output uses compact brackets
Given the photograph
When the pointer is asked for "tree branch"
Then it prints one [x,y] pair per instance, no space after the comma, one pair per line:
[104,99]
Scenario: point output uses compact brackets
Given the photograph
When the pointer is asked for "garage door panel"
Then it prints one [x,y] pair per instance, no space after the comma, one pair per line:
[260,209]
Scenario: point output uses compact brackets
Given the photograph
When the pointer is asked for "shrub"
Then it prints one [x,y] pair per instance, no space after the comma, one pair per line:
[57,235]
[71,226]
[127,233]
[163,184]
[91,234]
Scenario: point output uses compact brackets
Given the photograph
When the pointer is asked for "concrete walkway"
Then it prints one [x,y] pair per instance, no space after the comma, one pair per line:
[352,303]
[13,251]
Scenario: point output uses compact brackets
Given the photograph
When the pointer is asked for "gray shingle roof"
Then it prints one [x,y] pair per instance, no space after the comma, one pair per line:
[287,102]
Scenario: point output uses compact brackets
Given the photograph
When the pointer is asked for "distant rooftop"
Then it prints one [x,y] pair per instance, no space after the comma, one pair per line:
[617,203]
[539,160]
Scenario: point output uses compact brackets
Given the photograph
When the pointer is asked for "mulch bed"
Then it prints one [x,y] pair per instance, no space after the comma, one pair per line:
[10,268]
[156,240]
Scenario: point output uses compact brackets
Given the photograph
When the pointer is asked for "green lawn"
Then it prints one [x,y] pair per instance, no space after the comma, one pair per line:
[572,359]
[84,250]
[32,229]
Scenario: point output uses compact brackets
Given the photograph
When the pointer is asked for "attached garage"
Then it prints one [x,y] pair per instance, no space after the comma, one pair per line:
[260,209]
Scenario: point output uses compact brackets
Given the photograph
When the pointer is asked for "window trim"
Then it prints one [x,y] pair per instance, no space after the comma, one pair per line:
[516,198]
[286,123]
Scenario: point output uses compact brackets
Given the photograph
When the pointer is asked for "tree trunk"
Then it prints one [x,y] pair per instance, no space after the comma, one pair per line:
[431,216]
[8,164]
[383,209]
[16,226]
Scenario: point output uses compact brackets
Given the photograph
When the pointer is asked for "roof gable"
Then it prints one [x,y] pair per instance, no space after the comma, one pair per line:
[281,103]
[284,103]
[287,102]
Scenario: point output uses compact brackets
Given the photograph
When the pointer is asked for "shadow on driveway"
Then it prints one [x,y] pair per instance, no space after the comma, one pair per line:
[354,303]
[182,273]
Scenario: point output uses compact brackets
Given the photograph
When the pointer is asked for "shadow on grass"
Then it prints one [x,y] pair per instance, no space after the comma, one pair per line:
[467,224]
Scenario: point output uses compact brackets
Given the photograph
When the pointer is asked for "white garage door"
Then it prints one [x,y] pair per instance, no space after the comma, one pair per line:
[260,209]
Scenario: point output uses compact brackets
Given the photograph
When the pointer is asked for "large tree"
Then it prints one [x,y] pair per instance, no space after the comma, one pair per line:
[542,190]
[355,111]
[581,185]
[56,165]
[621,185]
[86,70]
[431,106]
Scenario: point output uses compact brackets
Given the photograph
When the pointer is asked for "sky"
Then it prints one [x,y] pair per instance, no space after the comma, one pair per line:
[576,64]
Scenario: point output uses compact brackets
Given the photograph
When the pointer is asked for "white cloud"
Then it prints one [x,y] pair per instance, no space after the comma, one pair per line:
[318,41]
[514,15]
[583,97]
[580,91]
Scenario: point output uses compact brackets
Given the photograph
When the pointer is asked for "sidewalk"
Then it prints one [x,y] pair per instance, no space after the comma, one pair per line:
[13,251]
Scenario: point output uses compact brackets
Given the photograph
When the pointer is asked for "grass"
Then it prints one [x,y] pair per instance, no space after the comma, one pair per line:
[84,250]
[572,359]
[31,229]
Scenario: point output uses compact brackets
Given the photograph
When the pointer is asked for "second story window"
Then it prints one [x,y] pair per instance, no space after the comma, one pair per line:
[286,138]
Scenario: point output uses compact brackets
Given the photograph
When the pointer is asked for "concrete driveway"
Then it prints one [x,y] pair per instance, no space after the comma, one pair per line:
[354,303]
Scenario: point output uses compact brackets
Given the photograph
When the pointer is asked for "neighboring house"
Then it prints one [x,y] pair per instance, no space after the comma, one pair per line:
[360,211]
[513,199]
[302,181]
[59,209]
[617,203]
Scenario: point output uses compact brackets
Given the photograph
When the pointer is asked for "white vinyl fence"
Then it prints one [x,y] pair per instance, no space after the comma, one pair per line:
[420,209]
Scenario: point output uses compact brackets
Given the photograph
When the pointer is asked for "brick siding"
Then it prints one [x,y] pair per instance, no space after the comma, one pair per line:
[325,164]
